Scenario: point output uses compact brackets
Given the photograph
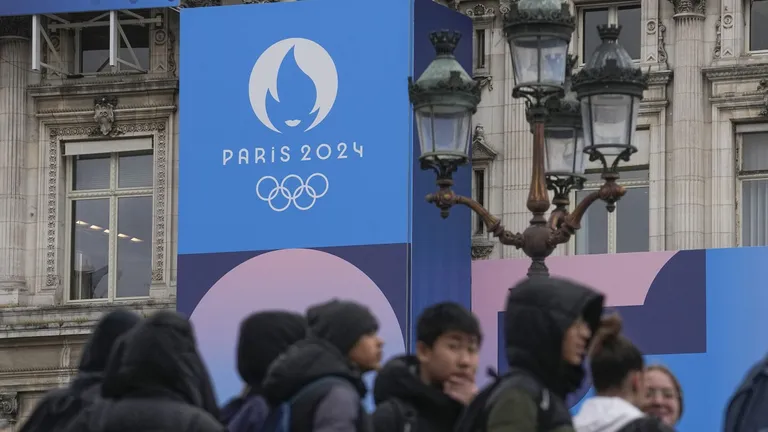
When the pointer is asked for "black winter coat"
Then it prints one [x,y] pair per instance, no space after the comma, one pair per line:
[155,382]
[398,390]
[61,406]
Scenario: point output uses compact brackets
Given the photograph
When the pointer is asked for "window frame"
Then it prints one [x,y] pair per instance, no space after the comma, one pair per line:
[613,216]
[742,176]
[113,193]
[748,30]
[487,34]
[613,18]
[476,221]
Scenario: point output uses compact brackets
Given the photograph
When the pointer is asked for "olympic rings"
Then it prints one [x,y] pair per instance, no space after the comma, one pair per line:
[304,187]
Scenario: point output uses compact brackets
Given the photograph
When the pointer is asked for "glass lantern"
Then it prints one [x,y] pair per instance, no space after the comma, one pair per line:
[538,33]
[564,135]
[444,99]
[610,87]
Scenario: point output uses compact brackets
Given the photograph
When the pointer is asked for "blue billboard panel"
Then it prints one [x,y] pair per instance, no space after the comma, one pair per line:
[39,7]
[294,132]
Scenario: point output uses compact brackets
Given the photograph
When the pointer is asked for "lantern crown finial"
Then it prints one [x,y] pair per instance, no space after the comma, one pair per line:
[609,32]
[445,41]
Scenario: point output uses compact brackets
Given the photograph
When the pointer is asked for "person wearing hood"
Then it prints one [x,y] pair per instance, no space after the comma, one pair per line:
[327,369]
[155,381]
[60,406]
[431,388]
[264,336]
[617,373]
[548,325]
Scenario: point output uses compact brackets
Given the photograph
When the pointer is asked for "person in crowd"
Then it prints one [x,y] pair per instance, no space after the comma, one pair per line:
[664,396]
[155,381]
[548,325]
[431,388]
[60,406]
[617,373]
[321,377]
[263,337]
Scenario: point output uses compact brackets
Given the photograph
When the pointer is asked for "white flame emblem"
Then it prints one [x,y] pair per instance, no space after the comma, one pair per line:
[312,59]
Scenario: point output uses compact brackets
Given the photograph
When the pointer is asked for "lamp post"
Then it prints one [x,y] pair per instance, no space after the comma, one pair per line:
[592,113]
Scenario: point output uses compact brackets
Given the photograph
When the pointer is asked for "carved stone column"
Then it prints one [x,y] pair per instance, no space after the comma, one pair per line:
[688,143]
[15,51]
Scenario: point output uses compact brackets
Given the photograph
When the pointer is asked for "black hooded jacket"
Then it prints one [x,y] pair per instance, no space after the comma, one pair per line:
[334,405]
[539,312]
[263,337]
[398,386]
[60,406]
[155,381]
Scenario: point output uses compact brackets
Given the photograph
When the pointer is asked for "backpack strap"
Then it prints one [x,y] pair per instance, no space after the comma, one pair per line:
[406,414]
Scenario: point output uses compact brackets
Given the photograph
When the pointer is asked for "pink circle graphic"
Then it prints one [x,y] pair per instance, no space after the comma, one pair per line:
[288,279]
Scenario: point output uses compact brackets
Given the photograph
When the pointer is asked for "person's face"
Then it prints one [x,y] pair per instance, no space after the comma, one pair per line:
[661,397]
[366,353]
[575,342]
[453,355]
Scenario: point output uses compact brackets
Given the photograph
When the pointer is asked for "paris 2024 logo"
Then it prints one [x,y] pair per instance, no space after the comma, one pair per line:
[292,190]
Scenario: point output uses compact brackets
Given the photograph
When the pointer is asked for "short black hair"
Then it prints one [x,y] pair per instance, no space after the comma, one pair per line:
[613,356]
[445,317]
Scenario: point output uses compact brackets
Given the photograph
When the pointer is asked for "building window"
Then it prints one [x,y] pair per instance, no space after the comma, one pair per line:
[624,230]
[753,181]
[93,43]
[626,15]
[478,194]
[756,31]
[110,200]
[480,49]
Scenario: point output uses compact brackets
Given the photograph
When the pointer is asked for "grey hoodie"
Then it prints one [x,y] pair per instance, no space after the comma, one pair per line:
[605,414]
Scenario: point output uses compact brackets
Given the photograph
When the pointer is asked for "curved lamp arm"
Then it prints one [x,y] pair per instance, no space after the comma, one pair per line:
[445,198]
[569,223]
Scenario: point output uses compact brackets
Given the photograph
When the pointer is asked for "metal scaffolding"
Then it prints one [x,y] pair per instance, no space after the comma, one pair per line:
[115,20]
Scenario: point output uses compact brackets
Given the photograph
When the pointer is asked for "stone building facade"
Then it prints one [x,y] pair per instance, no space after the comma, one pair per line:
[89,158]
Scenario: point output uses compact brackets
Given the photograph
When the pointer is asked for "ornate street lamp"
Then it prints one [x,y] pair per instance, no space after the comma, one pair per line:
[564,159]
[599,121]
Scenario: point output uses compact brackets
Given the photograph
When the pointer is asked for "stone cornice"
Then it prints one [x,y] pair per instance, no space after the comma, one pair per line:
[104,85]
[735,72]
[157,111]
[661,77]
[653,106]
[66,320]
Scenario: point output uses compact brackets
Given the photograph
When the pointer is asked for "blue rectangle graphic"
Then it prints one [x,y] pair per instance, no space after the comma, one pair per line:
[292,132]
[38,7]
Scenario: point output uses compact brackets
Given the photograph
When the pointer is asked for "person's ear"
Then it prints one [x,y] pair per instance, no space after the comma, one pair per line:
[423,352]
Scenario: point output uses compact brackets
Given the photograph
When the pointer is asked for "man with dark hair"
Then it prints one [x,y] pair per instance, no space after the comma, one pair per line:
[428,391]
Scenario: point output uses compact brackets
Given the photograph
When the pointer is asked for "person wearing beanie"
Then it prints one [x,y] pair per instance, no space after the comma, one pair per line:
[322,375]
[264,336]
[62,405]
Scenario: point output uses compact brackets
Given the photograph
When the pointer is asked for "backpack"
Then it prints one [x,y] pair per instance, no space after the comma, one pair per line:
[279,418]
[747,410]
[475,417]
[406,414]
